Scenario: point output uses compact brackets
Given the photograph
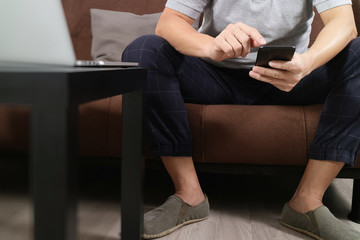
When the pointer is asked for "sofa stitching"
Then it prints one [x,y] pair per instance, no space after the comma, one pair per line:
[202,124]
[306,129]
[107,126]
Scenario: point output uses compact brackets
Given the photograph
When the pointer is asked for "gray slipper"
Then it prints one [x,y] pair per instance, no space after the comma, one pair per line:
[173,214]
[320,224]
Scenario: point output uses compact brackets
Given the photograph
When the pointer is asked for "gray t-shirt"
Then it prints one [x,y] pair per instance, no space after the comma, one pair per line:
[281,22]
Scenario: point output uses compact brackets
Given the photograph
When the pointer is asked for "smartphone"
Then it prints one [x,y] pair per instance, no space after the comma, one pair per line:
[273,52]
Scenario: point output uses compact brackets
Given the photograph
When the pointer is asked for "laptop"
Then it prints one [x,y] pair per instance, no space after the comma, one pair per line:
[35,32]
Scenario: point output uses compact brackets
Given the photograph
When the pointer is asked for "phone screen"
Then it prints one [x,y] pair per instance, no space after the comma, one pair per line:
[275,52]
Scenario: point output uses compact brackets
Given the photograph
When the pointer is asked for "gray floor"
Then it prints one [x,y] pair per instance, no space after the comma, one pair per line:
[242,207]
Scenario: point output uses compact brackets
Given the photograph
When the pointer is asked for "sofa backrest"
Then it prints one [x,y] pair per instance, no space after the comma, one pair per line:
[78,17]
[356,9]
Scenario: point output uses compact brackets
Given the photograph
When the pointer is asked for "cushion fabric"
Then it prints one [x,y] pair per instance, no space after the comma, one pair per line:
[113,31]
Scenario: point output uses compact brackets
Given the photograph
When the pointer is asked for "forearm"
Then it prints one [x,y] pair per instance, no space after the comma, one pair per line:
[178,31]
[336,34]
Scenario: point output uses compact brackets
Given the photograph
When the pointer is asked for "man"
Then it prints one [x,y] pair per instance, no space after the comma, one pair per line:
[215,65]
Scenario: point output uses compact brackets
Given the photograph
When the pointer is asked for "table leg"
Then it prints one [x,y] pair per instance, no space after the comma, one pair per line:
[132,167]
[53,172]
[354,215]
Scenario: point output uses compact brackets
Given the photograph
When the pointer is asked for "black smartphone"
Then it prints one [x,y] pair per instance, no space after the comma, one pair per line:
[274,52]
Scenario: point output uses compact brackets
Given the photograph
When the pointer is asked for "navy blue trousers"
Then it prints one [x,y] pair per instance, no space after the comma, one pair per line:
[175,79]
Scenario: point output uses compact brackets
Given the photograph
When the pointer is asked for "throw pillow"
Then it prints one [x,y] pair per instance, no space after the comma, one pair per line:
[112,31]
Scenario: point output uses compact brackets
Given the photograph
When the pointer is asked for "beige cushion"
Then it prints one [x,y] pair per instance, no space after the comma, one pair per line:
[113,31]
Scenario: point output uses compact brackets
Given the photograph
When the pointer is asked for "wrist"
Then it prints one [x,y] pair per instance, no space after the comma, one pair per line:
[309,62]
[206,46]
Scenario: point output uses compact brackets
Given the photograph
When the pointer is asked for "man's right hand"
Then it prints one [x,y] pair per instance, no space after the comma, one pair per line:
[236,40]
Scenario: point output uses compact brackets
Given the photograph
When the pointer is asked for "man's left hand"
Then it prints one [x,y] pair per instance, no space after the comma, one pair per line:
[283,74]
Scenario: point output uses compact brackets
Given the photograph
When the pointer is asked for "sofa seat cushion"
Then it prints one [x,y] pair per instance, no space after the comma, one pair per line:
[271,135]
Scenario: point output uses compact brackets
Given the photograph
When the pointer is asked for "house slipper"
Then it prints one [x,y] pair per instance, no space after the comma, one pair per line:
[320,224]
[173,214]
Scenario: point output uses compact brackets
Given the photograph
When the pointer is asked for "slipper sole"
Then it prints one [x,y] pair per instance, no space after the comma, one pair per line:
[164,233]
[301,230]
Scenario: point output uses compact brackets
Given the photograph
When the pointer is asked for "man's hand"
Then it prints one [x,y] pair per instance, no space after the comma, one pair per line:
[234,41]
[284,74]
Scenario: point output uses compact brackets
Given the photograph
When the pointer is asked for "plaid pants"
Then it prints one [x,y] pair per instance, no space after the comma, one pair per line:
[175,79]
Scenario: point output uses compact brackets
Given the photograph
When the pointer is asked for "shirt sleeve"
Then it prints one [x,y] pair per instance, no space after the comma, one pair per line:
[323,5]
[191,8]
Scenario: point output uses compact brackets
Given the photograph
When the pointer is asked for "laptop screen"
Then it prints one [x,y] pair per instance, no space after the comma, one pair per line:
[34,31]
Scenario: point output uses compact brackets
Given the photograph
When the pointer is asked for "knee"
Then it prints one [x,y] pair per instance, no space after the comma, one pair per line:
[354,46]
[347,61]
[144,49]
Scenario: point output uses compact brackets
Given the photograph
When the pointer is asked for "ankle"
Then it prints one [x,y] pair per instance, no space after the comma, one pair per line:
[191,197]
[305,203]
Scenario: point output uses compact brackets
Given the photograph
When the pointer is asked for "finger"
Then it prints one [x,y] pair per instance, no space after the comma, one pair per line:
[236,45]
[291,66]
[253,33]
[262,78]
[237,39]
[278,83]
[270,72]
[242,38]
[283,65]
[245,41]
[222,46]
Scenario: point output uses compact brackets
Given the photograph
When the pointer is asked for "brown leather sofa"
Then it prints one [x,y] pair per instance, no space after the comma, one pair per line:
[230,138]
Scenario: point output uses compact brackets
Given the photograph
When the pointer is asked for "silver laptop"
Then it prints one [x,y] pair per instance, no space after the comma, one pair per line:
[35,32]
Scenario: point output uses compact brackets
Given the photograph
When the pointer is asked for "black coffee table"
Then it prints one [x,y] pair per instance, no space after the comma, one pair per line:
[54,95]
